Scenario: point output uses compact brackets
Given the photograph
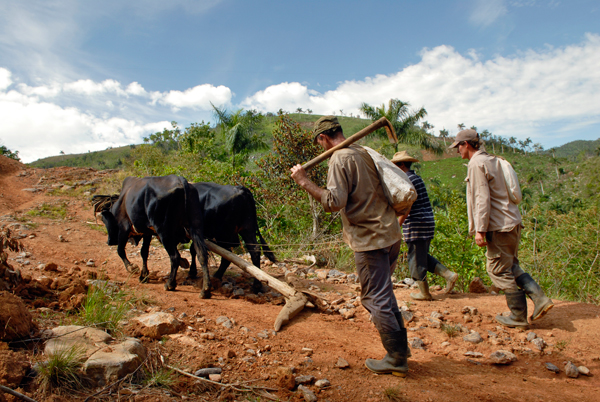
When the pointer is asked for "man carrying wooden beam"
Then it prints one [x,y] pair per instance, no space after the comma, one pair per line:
[371,230]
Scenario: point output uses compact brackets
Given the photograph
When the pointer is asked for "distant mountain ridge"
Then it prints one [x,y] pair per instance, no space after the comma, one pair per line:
[574,148]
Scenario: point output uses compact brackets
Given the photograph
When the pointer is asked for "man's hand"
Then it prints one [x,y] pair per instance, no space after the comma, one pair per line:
[480,239]
[299,175]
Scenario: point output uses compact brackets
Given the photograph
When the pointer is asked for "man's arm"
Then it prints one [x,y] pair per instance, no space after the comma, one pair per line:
[300,177]
[481,211]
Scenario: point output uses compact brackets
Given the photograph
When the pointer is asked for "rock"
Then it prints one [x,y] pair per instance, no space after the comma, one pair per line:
[238,292]
[446,344]
[502,357]
[231,354]
[467,318]
[531,336]
[186,340]
[469,310]
[251,352]
[436,288]
[539,344]
[437,315]
[473,354]
[108,365]
[434,322]
[342,363]
[324,383]
[334,273]
[408,281]
[477,286]
[90,263]
[347,313]
[50,267]
[309,396]
[552,367]
[205,372]
[224,321]
[207,335]
[215,377]
[416,343]
[352,278]
[16,322]
[571,370]
[155,325]
[307,351]
[492,334]
[473,337]
[407,316]
[583,370]
[304,379]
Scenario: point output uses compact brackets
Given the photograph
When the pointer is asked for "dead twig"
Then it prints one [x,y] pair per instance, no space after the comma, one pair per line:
[17,394]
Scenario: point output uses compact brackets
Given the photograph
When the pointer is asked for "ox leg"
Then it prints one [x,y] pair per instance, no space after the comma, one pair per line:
[224,261]
[144,253]
[251,245]
[174,257]
[193,274]
[122,242]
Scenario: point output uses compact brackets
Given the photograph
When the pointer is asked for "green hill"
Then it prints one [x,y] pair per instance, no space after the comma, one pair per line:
[575,148]
[111,158]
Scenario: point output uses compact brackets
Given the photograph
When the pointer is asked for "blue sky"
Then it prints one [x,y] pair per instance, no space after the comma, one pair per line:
[78,76]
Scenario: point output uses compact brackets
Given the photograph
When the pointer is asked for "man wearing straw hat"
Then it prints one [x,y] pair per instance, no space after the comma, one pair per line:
[418,228]
[371,230]
[496,223]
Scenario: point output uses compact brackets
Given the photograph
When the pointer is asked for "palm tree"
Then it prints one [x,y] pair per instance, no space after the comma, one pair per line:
[554,160]
[405,123]
[461,126]
[240,130]
[513,141]
[444,134]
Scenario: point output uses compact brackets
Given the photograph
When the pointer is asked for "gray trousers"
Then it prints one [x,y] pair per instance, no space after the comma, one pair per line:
[502,258]
[374,269]
[419,260]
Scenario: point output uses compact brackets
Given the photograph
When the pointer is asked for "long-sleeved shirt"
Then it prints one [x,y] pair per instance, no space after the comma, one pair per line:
[353,188]
[419,224]
[488,205]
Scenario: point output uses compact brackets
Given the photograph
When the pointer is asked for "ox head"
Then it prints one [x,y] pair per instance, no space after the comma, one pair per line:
[112,227]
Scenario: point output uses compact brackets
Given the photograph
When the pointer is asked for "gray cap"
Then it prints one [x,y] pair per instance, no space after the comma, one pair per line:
[464,135]
[325,123]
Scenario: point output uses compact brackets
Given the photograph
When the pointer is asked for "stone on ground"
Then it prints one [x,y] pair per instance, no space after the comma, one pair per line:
[308,395]
[552,367]
[502,357]
[155,325]
[477,286]
[571,370]
[473,337]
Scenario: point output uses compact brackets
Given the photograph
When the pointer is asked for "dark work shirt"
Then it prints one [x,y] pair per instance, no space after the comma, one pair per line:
[419,225]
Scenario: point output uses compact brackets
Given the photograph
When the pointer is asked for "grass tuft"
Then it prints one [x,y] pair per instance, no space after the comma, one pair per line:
[62,370]
[104,307]
[450,330]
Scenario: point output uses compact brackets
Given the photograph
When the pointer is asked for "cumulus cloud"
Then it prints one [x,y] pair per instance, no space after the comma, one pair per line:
[198,97]
[5,80]
[518,95]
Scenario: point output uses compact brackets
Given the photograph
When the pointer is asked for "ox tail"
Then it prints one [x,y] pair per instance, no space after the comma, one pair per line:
[195,221]
[103,202]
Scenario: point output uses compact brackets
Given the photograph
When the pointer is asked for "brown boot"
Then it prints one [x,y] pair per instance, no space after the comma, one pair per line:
[449,276]
[424,291]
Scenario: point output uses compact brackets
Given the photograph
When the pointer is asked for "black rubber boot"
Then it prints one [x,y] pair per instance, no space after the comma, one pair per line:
[400,321]
[396,344]
[450,276]
[517,303]
[423,291]
[542,303]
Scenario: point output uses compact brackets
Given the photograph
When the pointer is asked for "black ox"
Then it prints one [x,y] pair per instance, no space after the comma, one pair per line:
[167,207]
[229,211]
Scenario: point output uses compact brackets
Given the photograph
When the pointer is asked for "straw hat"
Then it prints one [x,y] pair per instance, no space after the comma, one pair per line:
[403,156]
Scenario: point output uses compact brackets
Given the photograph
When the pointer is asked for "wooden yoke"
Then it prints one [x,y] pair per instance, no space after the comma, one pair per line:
[383,122]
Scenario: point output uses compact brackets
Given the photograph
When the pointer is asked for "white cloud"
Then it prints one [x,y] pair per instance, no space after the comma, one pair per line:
[485,12]
[519,96]
[5,80]
[198,97]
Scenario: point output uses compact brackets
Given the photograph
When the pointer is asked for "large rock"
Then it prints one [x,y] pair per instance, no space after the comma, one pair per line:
[13,367]
[105,360]
[155,325]
[502,357]
[15,320]
[473,337]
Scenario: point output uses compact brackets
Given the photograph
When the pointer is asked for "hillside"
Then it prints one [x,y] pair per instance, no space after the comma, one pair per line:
[111,158]
[574,148]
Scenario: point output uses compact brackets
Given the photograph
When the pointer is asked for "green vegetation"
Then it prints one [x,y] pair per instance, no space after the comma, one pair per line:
[111,158]
[104,307]
[561,234]
[8,153]
[450,330]
[62,370]
[52,211]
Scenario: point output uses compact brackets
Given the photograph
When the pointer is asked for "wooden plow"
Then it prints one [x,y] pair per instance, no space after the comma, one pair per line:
[297,299]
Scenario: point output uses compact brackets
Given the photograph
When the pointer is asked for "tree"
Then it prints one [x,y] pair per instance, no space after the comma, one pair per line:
[241,132]
[9,154]
[167,140]
[513,141]
[444,134]
[293,145]
[299,110]
[598,151]
[538,175]
[538,147]
[405,123]
[461,126]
